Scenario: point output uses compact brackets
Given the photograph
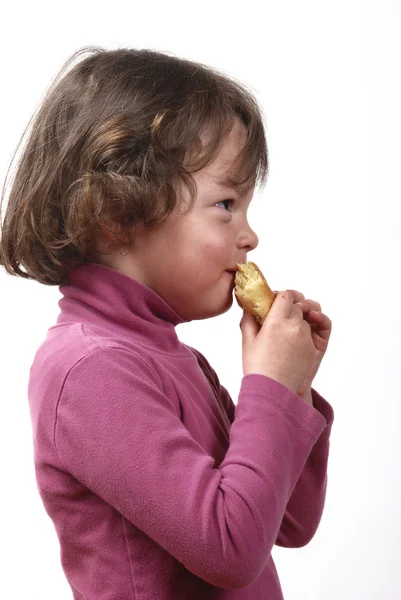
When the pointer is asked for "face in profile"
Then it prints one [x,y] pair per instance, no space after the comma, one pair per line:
[185,259]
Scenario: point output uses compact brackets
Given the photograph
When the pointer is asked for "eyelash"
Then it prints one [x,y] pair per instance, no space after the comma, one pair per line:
[222,201]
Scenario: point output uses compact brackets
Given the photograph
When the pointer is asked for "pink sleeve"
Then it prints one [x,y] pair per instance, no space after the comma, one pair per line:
[118,434]
[305,506]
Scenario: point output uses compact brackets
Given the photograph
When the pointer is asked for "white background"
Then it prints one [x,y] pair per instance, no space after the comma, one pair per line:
[328,77]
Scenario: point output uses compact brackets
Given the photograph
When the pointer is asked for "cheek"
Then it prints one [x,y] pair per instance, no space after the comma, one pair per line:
[215,241]
[204,248]
[211,256]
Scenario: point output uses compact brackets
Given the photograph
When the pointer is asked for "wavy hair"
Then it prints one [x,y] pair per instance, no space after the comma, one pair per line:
[115,135]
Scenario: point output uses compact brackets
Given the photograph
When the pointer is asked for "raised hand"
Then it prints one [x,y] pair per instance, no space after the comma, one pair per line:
[282,348]
[321,327]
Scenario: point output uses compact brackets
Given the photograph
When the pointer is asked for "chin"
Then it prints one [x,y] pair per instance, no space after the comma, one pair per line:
[207,309]
[215,312]
[228,306]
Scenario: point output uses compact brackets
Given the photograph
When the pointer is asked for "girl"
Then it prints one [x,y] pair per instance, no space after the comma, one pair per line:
[131,194]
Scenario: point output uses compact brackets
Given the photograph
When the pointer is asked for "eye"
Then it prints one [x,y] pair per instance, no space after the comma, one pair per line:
[230,202]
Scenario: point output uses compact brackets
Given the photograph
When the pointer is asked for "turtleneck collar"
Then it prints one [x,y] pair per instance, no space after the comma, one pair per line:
[98,295]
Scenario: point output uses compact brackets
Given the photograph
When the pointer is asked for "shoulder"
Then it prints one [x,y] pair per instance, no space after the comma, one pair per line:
[69,353]
[113,363]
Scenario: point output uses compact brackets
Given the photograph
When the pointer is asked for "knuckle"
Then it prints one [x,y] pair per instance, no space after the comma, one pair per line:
[296,328]
[274,322]
[306,328]
[315,305]
[297,314]
[298,295]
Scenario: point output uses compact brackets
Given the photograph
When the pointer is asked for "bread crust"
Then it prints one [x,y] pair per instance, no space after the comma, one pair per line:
[253,291]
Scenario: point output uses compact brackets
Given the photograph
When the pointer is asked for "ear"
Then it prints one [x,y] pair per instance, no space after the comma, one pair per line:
[108,237]
[111,232]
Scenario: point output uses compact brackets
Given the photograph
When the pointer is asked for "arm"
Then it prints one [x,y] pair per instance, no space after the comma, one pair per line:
[305,506]
[304,509]
[117,433]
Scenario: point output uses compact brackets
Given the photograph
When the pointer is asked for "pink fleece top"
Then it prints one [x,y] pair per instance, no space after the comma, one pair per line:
[159,487]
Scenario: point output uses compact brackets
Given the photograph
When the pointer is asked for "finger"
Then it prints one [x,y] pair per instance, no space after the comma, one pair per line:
[323,324]
[319,343]
[249,329]
[296,312]
[308,305]
[298,296]
[314,305]
[282,305]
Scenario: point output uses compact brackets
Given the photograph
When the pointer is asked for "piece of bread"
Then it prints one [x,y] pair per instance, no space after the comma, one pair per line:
[252,291]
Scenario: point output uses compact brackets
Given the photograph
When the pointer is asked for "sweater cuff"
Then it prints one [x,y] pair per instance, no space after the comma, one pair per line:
[327,411]
[308,417]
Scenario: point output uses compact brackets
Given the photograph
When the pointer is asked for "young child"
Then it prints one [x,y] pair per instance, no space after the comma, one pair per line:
[131,194]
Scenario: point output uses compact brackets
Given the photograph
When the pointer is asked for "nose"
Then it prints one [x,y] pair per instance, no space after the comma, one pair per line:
[247,238]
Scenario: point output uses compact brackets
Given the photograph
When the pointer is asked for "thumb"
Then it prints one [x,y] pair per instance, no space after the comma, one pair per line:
[249,330]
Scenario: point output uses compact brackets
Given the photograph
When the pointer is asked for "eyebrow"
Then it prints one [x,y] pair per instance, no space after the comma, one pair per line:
[226,183]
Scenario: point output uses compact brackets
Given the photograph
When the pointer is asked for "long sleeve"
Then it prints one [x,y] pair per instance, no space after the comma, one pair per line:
[304,508]
[157,484]
[122,437]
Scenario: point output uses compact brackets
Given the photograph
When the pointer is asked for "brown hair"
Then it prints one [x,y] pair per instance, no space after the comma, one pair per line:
[106,148]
